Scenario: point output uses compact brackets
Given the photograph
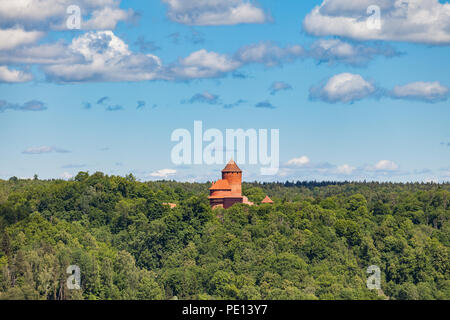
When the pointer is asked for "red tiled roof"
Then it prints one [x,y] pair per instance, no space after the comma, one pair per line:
[231,167]
[221,185]
[267,200]
[224,197]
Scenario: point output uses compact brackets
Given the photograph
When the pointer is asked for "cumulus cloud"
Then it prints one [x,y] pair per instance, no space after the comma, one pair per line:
[204,97]
[202,64]
[343,87]
[106,18]
[384,166]
[304,167]
[101,56]
[215,12]
[423,91]
[163,173]
[209,64]
[279,86]
[33,105]
[269,54]
[348,87]
[52,14]
[14,76]
[44,149]
[418,21]
[44,54]
[345,169]
[105,58]
[299,162]
[14,37]
[333,51]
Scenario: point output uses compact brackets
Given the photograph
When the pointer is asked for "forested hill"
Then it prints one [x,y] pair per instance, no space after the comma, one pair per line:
[315,242]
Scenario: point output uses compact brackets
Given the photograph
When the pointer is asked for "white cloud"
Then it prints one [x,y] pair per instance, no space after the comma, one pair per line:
[12,38]
[419,21]
[101,56]
[337,51]
[279,86]
[66,175]
[303,168]
[209,64]
[299,162]
[202,64]
[106,18]
[13,76]
[49,53]
[52,14]
[269,54]
[44,149]
[334,47]
[424,91]
[345,169]
[214,12]
[163,173]
[343,87]
[32,105]
[384,165]
[105,58]
[205,97]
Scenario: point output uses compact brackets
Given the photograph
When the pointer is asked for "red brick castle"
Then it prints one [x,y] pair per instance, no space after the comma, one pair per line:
[228,191]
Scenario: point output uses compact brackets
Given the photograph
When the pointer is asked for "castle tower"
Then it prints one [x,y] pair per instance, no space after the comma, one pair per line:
[226,192]
[218,192]
[233,175]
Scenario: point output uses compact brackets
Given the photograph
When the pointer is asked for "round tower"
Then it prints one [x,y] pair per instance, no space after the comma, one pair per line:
[233,175]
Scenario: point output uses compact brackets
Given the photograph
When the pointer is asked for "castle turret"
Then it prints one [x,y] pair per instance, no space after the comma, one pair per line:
[233,175]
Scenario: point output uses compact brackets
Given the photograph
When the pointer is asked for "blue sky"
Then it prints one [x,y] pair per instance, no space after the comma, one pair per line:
[351,102]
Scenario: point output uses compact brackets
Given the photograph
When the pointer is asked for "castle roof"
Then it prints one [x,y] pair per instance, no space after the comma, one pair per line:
[230,196]
[231,167]
[267,200]
[221,185]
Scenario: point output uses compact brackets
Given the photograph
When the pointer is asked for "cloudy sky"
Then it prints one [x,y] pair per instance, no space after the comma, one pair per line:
[354,97]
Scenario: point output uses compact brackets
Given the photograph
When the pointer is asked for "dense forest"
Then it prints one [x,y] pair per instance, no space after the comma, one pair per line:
[315,242]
